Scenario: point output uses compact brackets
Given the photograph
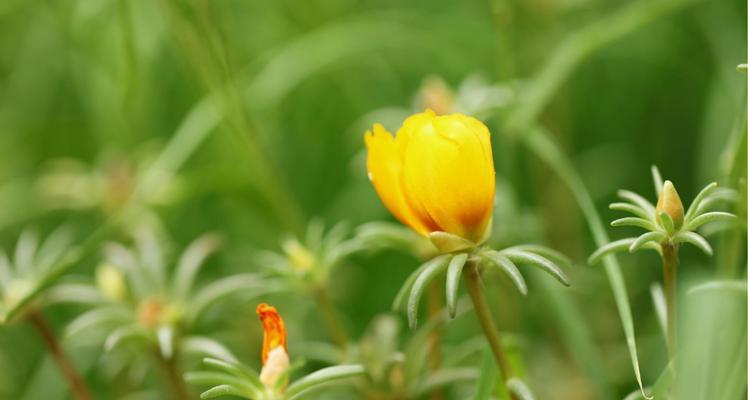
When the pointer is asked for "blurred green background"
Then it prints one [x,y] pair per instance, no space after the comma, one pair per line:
[253,113]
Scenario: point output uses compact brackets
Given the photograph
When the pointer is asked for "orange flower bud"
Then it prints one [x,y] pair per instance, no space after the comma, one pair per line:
[275,331]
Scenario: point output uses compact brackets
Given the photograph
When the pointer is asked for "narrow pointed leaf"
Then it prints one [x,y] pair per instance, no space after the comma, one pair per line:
[426,276]
[448,243]
[123,333]
[658,299]
[667,223]
[489,375]
[523,257]
[643,239]
[454,273]
[631,208]
[710,217]
[507,266]
[612,247]
[694,239]
[222,390]
[191,260]
[553,255]
[235,369]
[206,346]
[638,200]
[736,286]
[698,199]
[165,335]
[323,376]
[402,294]
[519,388]
[207,378]
[657,178]
[633,221]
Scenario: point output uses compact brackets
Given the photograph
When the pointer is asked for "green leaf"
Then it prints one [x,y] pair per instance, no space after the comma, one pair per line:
[449,243]
[631,208]
[454,273]
[423,279]
[223,390]
[657,178]
[207,378]
[73,293]
[667,223]
[633,221]
[660,307]
[206,346]
[249,284]
[235,369]
[692,209]
[540,142]
[283,377]
[639,201]
[489,375]
[190,262]
[694,239]
[165,336]
[445,377]
[644,239]
[402,294]
[322,377]
[507,266]
[553,255]
[736,286]
[132,331]
[518,387]
[709,217]
[742,68]
[524,257]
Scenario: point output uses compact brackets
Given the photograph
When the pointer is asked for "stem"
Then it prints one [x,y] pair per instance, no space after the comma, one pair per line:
[77,386]
[483,312]
[670,273]
[169,366]
[435,305]
[330,315]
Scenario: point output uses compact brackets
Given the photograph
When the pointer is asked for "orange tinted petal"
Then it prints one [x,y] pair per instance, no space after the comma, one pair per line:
[384,167]
[275,331]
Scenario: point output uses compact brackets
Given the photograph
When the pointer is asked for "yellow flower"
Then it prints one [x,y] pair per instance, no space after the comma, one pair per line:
[274,351]
[436,175]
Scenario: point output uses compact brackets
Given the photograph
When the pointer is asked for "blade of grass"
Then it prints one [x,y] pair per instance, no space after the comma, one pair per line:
[540,143]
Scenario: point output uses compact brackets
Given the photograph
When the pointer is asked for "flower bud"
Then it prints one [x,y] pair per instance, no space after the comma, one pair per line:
[301,258]
[669,203]
[274,351]
[111,282]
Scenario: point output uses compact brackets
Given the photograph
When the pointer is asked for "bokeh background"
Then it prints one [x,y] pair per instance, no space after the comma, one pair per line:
[246,118]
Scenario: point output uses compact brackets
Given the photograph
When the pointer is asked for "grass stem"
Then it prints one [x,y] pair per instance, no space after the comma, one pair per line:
[77,386]
[331,317]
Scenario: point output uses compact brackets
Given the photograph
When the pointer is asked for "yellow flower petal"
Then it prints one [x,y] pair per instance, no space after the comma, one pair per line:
[448,172]
[384,167]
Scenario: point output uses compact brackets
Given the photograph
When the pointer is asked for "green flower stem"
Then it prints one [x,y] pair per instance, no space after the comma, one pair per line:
[472,277]
[177,387]
[77,386]
[331,317]
[670,272]
[435,304]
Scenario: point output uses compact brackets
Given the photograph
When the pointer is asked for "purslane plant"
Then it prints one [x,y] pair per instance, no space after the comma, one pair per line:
[306,266]
[437,177]
[272,383]
[32,264]
[138,302]
[668,226]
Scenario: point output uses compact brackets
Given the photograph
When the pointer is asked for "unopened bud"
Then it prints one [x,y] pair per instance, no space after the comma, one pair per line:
[669,203]
[276,364]
[301,258]
[111,282]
